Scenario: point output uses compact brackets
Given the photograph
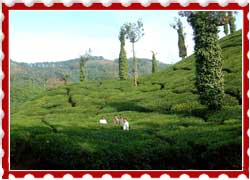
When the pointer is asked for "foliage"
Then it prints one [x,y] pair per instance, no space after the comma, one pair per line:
[83,61]
[181,41]
[123,62]
[231,21]
[225,25]
[209,76]
[225,29]
[82,74]
[154,62]
[134,32]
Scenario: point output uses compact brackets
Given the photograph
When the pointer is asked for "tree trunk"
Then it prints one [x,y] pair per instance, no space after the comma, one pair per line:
[135,67]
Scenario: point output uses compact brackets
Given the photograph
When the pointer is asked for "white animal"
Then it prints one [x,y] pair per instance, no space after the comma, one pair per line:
[126,126]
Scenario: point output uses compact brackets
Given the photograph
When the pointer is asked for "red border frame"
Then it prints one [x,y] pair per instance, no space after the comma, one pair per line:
[117,174]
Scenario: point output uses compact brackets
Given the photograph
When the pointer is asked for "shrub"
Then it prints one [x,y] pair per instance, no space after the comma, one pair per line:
[57,151]
[18,143]
[148,88]
[225,114]
[230,100]
[185,108]
[235,93]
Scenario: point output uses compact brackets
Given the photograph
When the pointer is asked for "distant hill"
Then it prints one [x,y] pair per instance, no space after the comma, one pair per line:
[97,68]
[30,79]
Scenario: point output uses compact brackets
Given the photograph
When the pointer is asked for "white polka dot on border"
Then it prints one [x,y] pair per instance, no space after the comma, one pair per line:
[1,76]
[48,3]
[1,36]
[106,177]
[223,177]
[223,3]
[125,3]
[203,3]
[242,2]
[29,177]
[165,177]
[1,16]
[67,177]
[126,177]
[1,56]
[67,3]
[87,3]
[242,177]
[9,3]
[87,177]
[48,177]
[11,176]
[29,3]
[145,177]
[145,3]
[184,177]
[204,177]
[184,3]
[164,3]
[107,3]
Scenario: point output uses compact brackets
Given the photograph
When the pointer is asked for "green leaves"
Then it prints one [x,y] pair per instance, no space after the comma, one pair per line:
[209,77]
[154,63]
[181,40]
[123,62]
[83,61]
[231,21]
[134,31]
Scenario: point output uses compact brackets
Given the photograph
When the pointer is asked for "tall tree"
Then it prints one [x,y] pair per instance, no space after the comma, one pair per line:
[123,62]
[209,76]
[154,62]
[83,61]
[82,71]
[134,32]
[63,76]
[231,21]
[225,26]
[181,40]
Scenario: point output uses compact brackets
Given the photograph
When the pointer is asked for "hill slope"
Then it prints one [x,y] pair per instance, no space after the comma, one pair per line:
[169,128]
[97,68]
[30,79]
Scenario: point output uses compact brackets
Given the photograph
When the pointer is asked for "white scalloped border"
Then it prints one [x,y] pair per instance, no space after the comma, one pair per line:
[107,3]
[126,3]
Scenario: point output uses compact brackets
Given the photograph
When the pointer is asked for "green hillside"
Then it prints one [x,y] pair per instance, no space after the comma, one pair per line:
[28,80]
[169,128]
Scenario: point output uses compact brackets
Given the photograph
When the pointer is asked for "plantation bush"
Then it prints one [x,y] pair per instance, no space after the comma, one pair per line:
[235,92]
[57,151]
[225,114]
[148,88]
[224,154]
[185,108]
[230,100]
[58,91]
[18,143]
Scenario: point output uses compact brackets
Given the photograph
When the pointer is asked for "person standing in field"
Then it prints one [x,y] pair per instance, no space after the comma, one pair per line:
[103,121]
[120,120]
[125,124]
[116,120]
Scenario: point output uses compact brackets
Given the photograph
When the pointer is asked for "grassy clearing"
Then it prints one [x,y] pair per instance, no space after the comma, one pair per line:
[170,129]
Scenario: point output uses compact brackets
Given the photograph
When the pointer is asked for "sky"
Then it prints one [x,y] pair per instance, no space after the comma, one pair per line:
[57,35]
